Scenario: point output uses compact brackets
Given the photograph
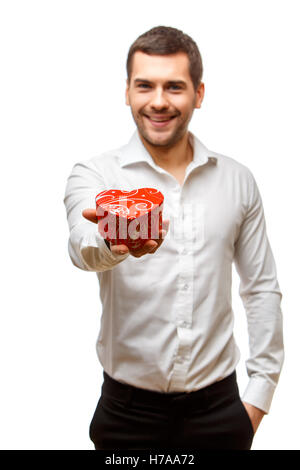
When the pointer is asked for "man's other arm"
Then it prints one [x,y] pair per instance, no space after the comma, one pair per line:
[261,297]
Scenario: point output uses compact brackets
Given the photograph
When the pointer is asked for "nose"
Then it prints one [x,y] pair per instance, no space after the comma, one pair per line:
[159,100]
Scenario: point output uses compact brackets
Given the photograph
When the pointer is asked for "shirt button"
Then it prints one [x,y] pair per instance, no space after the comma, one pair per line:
[184,251]
[185,287]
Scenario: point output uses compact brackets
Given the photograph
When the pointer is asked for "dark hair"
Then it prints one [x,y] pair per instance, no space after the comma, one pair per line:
[164,40]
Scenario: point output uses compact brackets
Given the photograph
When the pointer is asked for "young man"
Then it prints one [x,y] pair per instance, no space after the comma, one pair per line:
[166,343]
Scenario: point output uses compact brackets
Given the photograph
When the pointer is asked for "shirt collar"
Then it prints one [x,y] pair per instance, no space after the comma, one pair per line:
[135,151]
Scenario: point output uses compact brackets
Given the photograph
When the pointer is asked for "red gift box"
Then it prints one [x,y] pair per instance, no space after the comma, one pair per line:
[129,217]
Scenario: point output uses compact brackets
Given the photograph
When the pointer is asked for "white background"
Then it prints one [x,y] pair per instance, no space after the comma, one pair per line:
[63,100]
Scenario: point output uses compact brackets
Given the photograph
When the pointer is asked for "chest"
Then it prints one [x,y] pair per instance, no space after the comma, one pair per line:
[206,210]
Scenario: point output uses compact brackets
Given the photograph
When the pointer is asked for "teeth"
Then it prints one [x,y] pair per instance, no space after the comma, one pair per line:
[160,120]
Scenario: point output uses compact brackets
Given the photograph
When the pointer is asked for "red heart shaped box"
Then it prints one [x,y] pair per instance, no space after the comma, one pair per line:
[129,217]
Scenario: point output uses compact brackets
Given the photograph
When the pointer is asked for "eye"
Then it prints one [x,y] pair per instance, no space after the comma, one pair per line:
[143,85]
[175,87]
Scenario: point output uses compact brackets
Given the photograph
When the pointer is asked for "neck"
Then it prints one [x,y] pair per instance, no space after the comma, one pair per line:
[179,155]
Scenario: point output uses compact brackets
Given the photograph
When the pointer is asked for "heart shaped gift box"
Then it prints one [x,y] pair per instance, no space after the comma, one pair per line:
[129,217]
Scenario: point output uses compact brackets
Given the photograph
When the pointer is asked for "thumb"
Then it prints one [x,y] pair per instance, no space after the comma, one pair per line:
[90,214]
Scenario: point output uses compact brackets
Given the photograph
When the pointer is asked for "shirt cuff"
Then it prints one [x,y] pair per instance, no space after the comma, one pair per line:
[259,393]
[110,255]
[107,243]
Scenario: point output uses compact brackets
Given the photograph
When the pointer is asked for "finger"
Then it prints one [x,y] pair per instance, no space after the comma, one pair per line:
[148,246]
[161,236]
[119,249]
[90,214]
[159,241]
[162,233]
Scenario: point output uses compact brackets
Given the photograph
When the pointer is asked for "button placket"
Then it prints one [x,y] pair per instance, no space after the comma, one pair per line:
[184,304]
[183,316]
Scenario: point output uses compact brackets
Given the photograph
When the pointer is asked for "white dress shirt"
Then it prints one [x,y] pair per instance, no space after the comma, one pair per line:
[167,319]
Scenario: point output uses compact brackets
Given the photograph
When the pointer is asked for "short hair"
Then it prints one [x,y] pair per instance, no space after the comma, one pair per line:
[164,40]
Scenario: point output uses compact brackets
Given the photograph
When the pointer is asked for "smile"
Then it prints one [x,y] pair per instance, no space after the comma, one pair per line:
[161,121]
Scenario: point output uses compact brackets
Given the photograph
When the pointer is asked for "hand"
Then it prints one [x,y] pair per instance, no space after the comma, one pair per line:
[255,415]
[150,246]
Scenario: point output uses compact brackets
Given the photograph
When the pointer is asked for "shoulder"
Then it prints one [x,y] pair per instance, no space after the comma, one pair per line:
[232,168]
[108,158]
[226,164]
[101,162]
[231,164]
[232,174]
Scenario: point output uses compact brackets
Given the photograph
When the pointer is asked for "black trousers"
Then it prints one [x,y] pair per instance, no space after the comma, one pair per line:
[212,418]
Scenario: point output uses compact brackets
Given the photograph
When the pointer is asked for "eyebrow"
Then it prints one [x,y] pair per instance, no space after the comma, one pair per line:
[169,82]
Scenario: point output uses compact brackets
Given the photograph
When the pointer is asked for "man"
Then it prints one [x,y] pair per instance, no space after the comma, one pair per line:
[166,343]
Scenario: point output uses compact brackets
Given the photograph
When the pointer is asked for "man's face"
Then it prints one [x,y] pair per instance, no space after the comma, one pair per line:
[162,97]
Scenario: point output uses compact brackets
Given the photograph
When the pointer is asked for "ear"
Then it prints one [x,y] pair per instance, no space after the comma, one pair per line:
[127,93]
[199,95]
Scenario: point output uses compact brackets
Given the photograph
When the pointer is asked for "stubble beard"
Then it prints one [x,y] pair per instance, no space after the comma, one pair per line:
[167,142]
